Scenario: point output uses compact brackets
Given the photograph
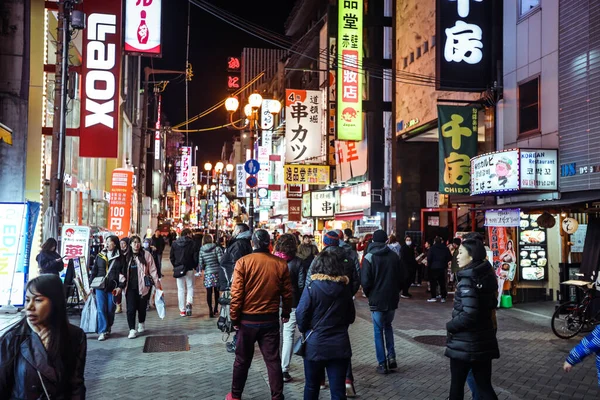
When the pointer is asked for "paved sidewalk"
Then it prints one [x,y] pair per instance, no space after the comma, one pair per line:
[529,367]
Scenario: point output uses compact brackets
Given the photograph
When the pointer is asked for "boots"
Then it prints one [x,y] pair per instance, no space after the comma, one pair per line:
[216,311]
[188,310]
[211,314]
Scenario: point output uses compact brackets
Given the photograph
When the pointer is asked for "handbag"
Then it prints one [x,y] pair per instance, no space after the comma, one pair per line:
[300,346]
[148,280]
[99,282]
[179,271]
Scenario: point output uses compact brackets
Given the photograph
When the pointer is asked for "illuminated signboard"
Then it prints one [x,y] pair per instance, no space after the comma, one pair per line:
[143,26]
[349,75]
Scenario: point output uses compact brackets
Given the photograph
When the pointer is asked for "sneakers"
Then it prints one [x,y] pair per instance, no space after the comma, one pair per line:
[432,300]
[188,310]
[382,369]
[350,391]
[418,285]
[230,347]
[287,377]
[405,296]
[141,327]
[230,397]
[132,334]
[413,285]
[443,300]
[439,296]
[102,337]
[392,364]
[182,313]
[323,385]
[119,309]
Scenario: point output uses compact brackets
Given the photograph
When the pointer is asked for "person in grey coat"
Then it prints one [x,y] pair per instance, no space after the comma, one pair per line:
[209,260]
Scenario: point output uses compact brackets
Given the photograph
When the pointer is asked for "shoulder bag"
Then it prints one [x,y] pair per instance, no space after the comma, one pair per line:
[99,282]
[148,280]
[300,345]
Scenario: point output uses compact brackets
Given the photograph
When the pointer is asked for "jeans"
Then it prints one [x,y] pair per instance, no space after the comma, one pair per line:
[187,280]
[438,277]
[267,336]
[472,385]
[106,310]
[135,302]
[482,372]
[382,326]
[336,372]
[289,328]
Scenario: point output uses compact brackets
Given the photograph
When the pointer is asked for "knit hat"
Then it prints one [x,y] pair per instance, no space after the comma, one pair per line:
[380,236]
[331,238]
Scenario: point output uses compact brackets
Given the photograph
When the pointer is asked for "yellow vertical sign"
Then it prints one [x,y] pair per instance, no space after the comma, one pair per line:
[349,74]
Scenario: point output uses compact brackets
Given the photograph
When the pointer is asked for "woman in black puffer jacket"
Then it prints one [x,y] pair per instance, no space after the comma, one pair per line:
[472,343]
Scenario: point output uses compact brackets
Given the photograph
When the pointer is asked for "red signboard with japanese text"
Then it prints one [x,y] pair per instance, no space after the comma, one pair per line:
[143,26]
[121,198]
[100,79]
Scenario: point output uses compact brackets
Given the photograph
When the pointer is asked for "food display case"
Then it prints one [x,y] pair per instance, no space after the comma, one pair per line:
[533,249]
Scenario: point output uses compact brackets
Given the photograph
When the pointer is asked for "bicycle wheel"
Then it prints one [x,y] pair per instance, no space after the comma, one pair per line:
[567,320]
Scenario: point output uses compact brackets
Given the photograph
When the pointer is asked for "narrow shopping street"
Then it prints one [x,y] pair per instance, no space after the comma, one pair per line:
[529,367]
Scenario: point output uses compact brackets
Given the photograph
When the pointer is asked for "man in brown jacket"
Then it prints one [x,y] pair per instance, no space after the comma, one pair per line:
[261,282]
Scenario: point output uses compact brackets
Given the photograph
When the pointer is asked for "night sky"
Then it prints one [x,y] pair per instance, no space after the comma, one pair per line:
[211,42]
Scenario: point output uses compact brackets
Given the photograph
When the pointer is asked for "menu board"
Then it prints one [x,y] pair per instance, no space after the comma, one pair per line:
[533,249]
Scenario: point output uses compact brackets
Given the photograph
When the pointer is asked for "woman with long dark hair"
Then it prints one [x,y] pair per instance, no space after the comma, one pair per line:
[49,261]
[43,356]
[139,264]
[109,264]
[286,247]
[209,260]
[472,343]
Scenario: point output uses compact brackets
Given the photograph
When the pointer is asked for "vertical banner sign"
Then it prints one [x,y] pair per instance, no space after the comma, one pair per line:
[458,144]
[143,26]
[75,243]
[533,249]
[240,181]
[185,176]
[266,118]
[331,114]
[295,210]
[12,254]
[157,130]
[234,68]
[349,76]
[303,110]
[100,79]
[464,54]
[504,251]
[121,193]
[351,159]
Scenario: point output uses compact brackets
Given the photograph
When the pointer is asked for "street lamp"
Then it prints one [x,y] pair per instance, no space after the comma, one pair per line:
[255,101]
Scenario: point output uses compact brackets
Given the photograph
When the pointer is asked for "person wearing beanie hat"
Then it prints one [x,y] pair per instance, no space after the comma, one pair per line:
[331,238]
[260,284]
[382,279]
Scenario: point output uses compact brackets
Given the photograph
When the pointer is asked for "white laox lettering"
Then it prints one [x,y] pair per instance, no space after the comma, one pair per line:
[100,82]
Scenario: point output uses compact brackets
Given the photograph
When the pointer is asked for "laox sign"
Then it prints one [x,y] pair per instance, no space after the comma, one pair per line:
[101,58]
[99,133]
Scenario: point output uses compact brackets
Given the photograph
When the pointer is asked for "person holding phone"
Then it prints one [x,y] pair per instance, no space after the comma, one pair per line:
[49,261]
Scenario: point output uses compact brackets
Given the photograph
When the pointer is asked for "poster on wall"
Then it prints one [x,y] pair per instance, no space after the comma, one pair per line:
[504,258]
[75,243]
[533,249]
[457,145]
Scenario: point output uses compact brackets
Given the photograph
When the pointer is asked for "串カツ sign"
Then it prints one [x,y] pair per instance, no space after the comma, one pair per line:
[101,67]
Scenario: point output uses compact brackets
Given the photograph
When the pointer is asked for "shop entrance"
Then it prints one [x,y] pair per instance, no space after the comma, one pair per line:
[431,226]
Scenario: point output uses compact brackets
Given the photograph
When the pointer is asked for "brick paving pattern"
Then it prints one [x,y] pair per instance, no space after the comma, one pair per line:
[530,366]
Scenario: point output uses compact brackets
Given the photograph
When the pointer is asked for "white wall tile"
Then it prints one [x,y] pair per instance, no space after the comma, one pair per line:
[510,109]
[510,36]
[523,73]
[534,68]
[534,36]
[522,44]
[549,93]
[549,26]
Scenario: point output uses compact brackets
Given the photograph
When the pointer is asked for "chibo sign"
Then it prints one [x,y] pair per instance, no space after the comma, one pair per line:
[99,133]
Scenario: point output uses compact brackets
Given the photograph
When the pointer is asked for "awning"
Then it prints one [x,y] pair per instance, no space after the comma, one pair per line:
[567,199]
[349,216]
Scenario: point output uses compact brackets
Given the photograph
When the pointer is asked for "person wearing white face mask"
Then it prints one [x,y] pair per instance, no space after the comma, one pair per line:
[409,266]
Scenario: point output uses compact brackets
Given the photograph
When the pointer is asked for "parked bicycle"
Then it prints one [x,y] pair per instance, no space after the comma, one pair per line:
[572,317]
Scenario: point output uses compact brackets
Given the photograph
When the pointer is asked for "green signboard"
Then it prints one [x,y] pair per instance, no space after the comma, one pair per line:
[458,144]
[350,75]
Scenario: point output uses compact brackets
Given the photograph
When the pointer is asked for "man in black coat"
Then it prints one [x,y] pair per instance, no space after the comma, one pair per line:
[158,242]
[438,258]
[382,279]
[409,266]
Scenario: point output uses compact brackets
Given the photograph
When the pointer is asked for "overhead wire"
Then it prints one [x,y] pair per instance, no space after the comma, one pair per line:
[205,129]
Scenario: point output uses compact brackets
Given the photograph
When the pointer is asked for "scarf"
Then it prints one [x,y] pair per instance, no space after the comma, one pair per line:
[43,333]
[282,255]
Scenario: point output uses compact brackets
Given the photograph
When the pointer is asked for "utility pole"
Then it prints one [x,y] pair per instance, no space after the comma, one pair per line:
[57,170]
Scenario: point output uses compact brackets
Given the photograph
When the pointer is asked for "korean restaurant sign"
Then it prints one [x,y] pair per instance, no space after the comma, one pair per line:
[121,196]
[464,53]
[303,110]
[504,218]
[75,243]
[515,169]
[306,174]
[322,203]
[100,79]
[143,28]
[240,181]
[349,74]
[351,159]
[354,198]
[457,144]
[185,171]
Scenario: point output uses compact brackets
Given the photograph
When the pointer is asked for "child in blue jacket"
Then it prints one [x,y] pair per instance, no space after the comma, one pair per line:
[588,345]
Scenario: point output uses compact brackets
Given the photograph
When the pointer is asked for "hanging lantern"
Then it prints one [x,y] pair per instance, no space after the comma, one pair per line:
[546,220]
[570,225]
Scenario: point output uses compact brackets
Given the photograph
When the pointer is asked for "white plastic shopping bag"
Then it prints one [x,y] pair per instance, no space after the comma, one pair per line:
[89,315]
[159,302]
